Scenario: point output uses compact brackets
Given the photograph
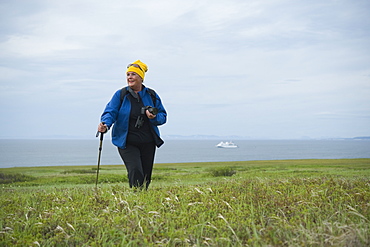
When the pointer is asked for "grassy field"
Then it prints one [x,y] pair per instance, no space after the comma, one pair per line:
[253,203]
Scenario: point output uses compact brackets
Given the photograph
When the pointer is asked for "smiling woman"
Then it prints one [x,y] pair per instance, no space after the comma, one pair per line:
[135,130]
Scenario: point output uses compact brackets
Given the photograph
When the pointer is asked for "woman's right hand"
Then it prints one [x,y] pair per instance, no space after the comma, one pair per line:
[102,128]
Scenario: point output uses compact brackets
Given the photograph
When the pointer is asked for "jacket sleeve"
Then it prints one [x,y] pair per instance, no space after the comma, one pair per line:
[161,117]
[110,113]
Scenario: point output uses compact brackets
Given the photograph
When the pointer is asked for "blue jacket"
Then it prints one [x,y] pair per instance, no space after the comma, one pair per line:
[119,115]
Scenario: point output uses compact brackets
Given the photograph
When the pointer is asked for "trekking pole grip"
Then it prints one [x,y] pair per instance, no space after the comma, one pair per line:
[97,133]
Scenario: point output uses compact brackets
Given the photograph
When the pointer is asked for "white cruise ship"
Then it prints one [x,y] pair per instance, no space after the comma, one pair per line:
[229,144]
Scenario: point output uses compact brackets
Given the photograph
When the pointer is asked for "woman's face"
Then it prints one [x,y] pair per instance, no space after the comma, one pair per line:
[134,81]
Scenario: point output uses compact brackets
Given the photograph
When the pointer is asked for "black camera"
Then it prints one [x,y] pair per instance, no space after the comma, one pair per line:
[152,110]
[140,120]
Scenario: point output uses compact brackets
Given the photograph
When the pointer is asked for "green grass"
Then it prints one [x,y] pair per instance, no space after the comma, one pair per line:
[254,203]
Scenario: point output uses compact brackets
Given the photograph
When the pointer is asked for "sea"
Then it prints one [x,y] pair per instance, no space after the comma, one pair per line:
[33,153]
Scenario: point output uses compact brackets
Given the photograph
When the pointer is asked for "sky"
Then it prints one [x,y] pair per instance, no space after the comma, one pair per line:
[259,69]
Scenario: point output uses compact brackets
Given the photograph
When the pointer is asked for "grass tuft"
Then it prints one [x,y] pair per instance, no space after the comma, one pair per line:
[222,171]
[14,178]
[80,171]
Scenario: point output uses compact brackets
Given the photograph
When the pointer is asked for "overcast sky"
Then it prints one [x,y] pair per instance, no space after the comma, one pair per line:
[260,69]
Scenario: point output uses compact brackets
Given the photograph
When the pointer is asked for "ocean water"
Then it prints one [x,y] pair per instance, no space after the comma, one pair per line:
[23,153]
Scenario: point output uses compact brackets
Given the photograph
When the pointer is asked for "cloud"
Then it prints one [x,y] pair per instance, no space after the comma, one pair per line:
[255,68]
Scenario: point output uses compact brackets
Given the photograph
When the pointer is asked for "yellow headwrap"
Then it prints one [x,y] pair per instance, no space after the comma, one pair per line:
[134,67]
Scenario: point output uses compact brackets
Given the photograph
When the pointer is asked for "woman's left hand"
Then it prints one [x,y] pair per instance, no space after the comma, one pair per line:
[149,115]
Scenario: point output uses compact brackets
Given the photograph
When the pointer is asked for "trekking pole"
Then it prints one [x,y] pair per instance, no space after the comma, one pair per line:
[100,148]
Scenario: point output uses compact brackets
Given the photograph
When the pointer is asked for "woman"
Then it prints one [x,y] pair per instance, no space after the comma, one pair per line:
[132,113]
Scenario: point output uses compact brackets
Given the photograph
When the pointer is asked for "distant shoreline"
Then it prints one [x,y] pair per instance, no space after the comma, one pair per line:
[185,163]
[35,153]
[192,138]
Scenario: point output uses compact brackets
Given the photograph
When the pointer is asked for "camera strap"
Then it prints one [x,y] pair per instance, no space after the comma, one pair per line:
[126,90]
[135,95]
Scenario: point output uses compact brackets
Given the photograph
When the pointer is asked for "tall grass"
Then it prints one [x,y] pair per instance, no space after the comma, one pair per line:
[277,203]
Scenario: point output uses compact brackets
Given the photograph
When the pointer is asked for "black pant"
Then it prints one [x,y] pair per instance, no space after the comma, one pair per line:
[138,159]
